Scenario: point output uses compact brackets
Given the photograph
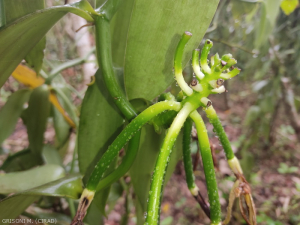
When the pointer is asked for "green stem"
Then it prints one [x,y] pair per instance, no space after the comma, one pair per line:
[54,72]
[124,137]
[219,130]
[74,157]
[208,165]
[188,166]
[187,159]
[69,105]
[71,207]
[104,57]
[127,162]
[153,210]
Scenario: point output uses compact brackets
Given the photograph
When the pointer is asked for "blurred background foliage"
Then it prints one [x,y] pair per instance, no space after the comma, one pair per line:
[261,114]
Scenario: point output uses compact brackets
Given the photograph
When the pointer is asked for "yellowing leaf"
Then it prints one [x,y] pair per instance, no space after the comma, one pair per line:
[54,100]
[27,76]
[288,6]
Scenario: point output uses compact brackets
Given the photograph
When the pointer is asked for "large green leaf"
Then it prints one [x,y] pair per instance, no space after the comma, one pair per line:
[100,123]
[19,37]
[2,14]
[36,116]
[154,31]
[18,8]
[14,205]
[24,180]
[11,112]
[119,26]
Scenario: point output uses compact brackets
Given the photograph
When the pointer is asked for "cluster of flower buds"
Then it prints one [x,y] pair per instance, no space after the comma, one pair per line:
[209,79]
[220,69]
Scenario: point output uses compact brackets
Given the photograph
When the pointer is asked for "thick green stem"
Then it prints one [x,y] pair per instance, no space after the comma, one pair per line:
[124,137]
[153,210]
[104,56]
[187,159]
[219,130]
[208,165]
[127,162]
[188,166]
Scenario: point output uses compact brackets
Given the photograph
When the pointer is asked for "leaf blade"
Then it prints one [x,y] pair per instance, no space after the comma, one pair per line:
[29,30]
[14,205]
[36,116]
[11,112]
[23,180]
[18,8]
[152,39]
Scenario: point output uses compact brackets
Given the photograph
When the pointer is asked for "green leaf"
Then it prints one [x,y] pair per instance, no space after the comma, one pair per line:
[289,6]
[100,123]
[29,30]
[64,96]
[18,8]
[240,8]
[154,31]
[61,219]
[269,12]
[36,55]
[36,116]
[61,127]
[11,112]
[119,27]
[94,217]
[51,155]
[24,180]
[14,205]
[22,160]
[2,14]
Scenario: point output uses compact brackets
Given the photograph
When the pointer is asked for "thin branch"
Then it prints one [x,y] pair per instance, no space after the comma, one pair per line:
[234,46]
